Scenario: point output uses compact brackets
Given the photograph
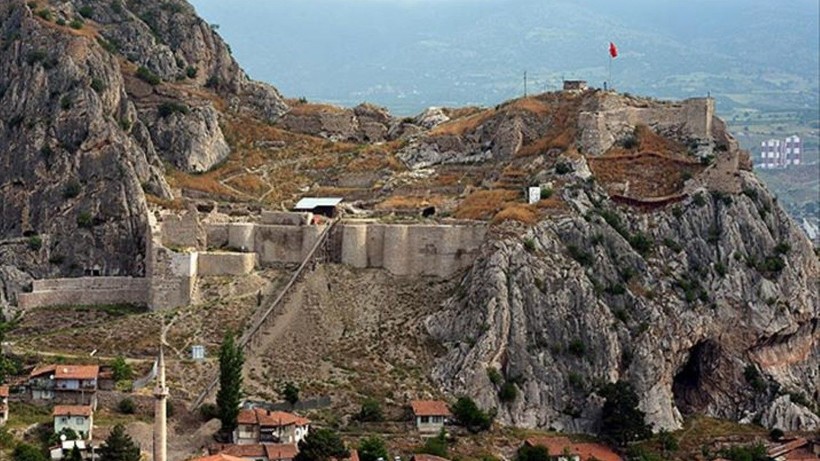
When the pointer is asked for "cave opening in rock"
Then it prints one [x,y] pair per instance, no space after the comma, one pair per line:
[691,384]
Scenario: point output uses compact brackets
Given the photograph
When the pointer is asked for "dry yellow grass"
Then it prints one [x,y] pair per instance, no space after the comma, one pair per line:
[484,204]
[403,202]
[533,105]
[206,182]
[313,109]
[173,204]
[463,125]
[374,158]
[250,184]
[521,212]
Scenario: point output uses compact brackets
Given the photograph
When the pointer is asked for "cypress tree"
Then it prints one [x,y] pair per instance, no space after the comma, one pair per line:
[229,395]
[119,446]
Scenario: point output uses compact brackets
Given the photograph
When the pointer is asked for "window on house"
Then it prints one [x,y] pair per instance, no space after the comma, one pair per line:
[78,420]
[425,419]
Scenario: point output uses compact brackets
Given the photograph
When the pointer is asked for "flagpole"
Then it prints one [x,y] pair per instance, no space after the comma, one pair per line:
[611,86]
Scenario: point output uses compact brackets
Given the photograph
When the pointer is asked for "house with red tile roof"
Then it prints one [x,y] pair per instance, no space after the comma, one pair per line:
[78,418]
[4,404]
[430,415]
[563,449]
[798,449]
[69,384]
[218,457]
[258,425]
[260,452]
[426,457]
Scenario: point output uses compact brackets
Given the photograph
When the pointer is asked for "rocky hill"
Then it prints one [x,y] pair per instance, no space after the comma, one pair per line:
[655,255]
[96,99]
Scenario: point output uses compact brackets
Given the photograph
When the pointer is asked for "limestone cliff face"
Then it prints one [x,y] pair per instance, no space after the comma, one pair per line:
[89,112]
[689,303]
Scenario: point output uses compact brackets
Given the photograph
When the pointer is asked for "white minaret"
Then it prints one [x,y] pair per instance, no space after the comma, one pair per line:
[161,396]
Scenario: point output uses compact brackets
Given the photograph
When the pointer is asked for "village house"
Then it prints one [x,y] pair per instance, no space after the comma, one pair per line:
[258,425]
[78,418]
[260,452]
[563,449]
[426,457]
[218,457]
[430,415]
[67,384]
[4,404]
[324,206]
[799,449]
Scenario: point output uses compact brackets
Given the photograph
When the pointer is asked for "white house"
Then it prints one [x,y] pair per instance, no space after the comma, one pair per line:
[430,415]
[79,418]
[258,425]
[4,404]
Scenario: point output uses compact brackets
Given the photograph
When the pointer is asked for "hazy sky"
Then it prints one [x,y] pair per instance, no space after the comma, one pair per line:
[408,54]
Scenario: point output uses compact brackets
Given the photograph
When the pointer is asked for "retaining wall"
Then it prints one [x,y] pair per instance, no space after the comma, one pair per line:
[85,291]
[225,263]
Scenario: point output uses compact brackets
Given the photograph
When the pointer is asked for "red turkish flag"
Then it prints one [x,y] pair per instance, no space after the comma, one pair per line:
[613,50]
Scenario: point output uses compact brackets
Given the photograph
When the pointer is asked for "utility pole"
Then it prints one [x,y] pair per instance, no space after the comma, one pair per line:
[525,83]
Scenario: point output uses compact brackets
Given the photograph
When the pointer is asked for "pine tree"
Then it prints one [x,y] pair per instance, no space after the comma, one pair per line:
[75,454]
[229,395]
[119,446]
[322,445]
[621,420]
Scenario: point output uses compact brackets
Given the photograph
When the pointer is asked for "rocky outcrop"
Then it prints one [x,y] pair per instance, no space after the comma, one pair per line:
[363,123]
[90,112]
[707,306]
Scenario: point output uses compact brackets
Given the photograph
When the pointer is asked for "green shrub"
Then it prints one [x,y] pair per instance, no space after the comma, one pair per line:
[35,56]
[577,347]
[508,392]
[536,453]
[127,406]
[56,259]
[529,245]
[35,242]
[753,377]
[755,452]
[436,446]
[86,11]
[372,448]
[66,102]
[116,7]
[85,220]
[145,74]
[621,314]
[121,369]
[546,192]
[71,189]
[776,434]
[720,268]
[109,46]
[169,107]
[583,257]
[773,264]
[61,22]
[563,168]
[467,413]
[290,393]
[576,381]
[191,72]
[782,248]
[45,14]
[630,142]
[495,376]
[371,410]
[26,452]
[641,243]
[76,24]
[97,85]
[699,200]
[616,289]
[208,411]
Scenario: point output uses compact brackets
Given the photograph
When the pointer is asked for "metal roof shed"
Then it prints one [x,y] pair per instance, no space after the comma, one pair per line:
[325,206]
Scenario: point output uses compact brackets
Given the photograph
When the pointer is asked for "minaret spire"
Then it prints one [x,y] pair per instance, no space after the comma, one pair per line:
[160,406]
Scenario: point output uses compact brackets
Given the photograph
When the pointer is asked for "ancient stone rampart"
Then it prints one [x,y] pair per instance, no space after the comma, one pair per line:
[411,249]
[225,263]
[85,291]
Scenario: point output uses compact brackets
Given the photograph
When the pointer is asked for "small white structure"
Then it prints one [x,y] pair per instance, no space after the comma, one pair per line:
[79,418]
[533,195]
[198,352]
[430,415]
[4,404]
[66,447]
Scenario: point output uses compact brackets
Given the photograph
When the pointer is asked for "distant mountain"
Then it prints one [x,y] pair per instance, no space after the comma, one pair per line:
[409,54]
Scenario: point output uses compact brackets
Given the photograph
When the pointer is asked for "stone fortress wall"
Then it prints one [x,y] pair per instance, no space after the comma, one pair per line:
[184,247]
